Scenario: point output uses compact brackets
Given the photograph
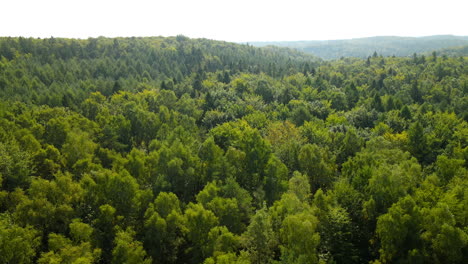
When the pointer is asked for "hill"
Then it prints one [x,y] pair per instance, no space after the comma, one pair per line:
[454,52]
[55,65]
[364,47]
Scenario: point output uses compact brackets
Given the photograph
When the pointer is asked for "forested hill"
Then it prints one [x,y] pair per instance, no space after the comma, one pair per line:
[364,47]
[454,52]
[177,150]
[47,71]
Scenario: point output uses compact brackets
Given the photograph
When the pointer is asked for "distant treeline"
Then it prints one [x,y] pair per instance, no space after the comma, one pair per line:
[364,47]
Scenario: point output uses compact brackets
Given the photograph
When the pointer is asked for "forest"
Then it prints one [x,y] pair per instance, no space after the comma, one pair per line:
[178,150]
[384,45]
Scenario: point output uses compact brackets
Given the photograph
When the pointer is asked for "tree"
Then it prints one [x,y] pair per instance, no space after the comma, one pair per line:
[222,241]
[15,166]
[299,185]
[79,249]
[405,113]
[352,94]
[179,167]
[390,105]
[118,190]
[77,147]
[48,161]
[166,203]
[247,152]
[17,244]
[199,223]
[398,232]
[105,231]
[212,159]
[300,239]
[286,141]
[226,77]
[418,144]
[263,89]
[51,205]
[231,189]
[447,168]
[164,229]
[377,103]
[127,250]
[443,238]
[416,93]
[259,238]
[276,174]
[242,258]
[350,145]
[318,164]
[390,182]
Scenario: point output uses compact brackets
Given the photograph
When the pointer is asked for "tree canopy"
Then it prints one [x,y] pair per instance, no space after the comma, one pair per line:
[178,150]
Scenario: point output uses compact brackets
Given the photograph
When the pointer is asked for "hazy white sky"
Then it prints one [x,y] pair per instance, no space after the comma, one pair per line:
[234,20]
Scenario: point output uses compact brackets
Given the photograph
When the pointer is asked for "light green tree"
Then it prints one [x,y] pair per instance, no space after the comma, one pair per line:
[127,250]
[17,244]
[299,238]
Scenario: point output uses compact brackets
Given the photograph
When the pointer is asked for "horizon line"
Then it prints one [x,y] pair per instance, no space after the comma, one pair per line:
[240,42]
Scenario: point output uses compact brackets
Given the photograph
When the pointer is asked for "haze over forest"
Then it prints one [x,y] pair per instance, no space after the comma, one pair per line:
[364,47]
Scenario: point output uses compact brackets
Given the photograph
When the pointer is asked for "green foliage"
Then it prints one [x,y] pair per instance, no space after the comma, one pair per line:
[299,185]
[199,223]
[178,150]
[17,244]
[164,227]
[63,250]
[15,166]
[398,231]
[222,241]
[318,164]
[418,144]
[51,205]
[260,240]
[127,250]
[300,239]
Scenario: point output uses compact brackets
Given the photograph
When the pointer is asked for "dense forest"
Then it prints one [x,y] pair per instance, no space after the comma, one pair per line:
[455,51]
[363,47]
[178,150]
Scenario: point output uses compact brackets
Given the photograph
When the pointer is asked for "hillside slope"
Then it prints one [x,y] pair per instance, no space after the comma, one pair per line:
[454,52]
[364,47]
[55,65]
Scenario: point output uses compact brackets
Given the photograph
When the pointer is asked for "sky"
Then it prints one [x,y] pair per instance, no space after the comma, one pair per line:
[233,20]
